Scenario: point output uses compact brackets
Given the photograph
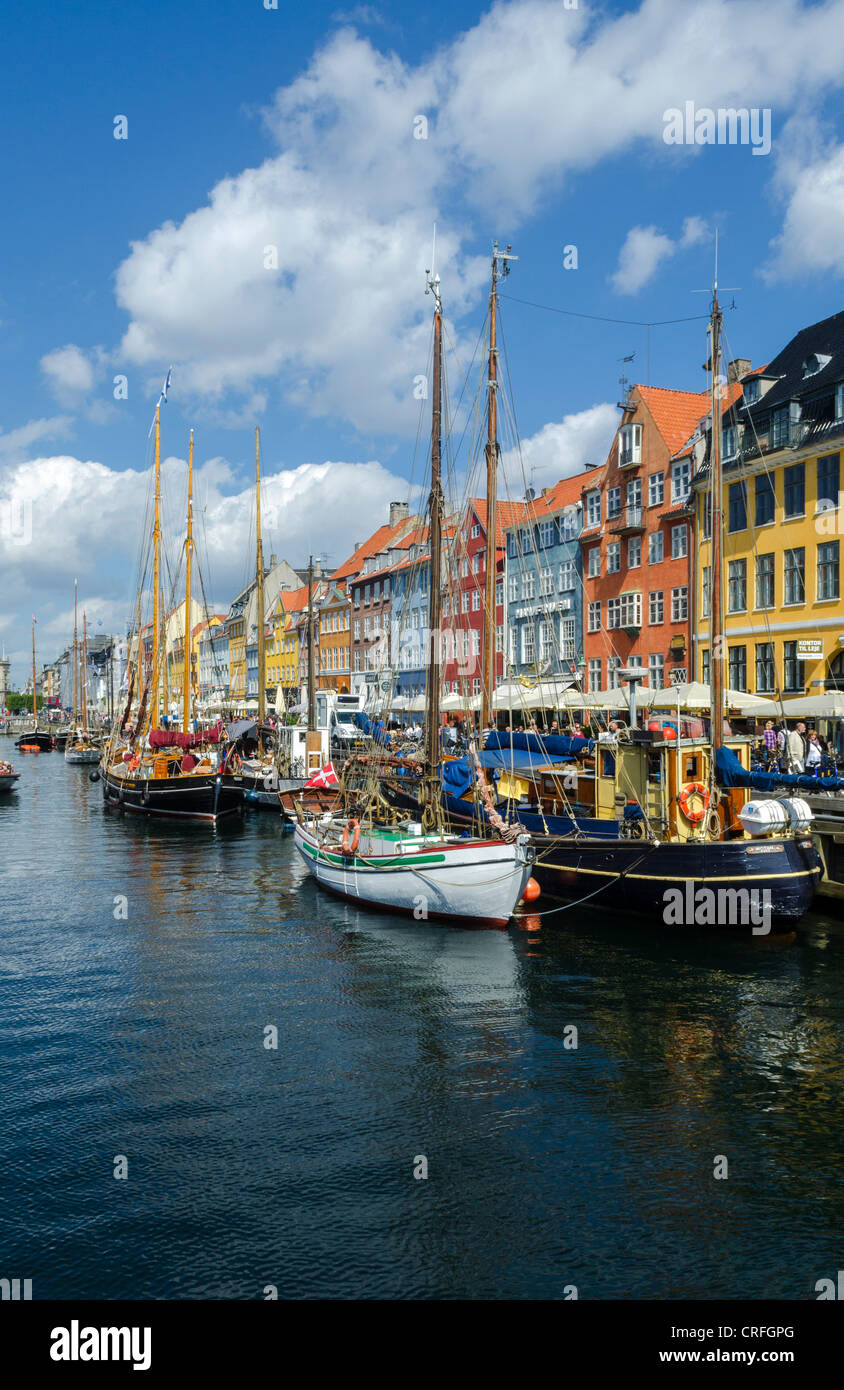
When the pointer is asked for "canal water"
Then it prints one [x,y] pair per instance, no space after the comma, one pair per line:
[141,968]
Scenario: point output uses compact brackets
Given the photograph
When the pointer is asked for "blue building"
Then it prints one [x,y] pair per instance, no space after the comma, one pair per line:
[411,587]
[543,585]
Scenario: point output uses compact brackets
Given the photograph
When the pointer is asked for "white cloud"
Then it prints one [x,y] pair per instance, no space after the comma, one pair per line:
[810,181]
[646,248]
[562,448]
[69,371]
[19,441]
[531,93]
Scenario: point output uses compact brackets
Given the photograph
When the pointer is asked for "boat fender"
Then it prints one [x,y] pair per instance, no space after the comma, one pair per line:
[701,792]
[145,794]
[350,845]
[94,776]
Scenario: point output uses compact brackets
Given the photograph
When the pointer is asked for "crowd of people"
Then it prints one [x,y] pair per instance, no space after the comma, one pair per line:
[793,750]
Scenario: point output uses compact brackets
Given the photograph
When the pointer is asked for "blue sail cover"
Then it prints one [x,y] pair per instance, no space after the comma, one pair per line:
[377,731]
[548,746]
[730,773]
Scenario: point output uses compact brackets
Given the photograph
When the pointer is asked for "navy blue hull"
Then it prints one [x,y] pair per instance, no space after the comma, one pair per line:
[176,798]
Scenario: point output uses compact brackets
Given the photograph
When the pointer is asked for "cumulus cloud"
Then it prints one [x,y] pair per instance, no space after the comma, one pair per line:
[308,270]
[562,448]
[19,441]
[810,182]
[69,370]
[645,249]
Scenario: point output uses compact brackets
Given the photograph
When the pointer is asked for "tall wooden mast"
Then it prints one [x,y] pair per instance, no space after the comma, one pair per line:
[75,652]
[431,815]
[500,268]
[188,569]
[156,575]
[311,652]
[34,701]
[84,672]
[716,653]
[259,588]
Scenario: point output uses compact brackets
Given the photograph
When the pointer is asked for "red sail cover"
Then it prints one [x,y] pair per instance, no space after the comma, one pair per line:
[172,738]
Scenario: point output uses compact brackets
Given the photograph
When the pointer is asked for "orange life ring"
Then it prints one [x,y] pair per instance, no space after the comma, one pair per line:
[349,846]
[694,789]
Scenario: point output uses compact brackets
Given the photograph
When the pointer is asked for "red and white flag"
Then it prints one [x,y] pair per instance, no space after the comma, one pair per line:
[326,777]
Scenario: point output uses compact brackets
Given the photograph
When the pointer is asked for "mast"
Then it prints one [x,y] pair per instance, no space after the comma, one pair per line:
[188,568]
[34,704]
[431,815]
[311,691]
[716,654]
[84,672]
[156,576]
[500,268]
[75,652]
[259,589]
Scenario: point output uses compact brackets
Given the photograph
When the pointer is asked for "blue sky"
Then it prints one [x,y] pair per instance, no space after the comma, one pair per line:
[250,127]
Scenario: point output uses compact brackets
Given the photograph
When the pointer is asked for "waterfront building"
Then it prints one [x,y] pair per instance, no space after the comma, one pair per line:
[463,597]
[411,581]
[213,661]
[543,584]
[637,540]
[333,629]
[283,646]
[783,523]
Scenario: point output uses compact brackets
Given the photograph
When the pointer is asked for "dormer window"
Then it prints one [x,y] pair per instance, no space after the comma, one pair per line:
[750,391]
[815,362]
[629,445]
[839,401]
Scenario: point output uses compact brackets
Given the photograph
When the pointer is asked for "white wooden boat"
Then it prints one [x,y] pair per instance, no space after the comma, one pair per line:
[423,876]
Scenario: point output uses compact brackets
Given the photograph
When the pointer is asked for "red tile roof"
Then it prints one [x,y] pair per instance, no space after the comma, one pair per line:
[675,413]
[381,539]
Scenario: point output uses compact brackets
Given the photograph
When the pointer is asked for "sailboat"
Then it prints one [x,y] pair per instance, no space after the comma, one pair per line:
[79,747]
[177,775]
[415,867]
[35,740]
[632,820]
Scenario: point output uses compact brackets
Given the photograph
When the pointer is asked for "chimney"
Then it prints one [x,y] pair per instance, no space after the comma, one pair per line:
[358,545]
[399,511]
[273,561]
[738,368]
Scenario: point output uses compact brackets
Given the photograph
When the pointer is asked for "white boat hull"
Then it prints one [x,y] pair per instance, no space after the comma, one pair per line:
[82,755]
[431,876]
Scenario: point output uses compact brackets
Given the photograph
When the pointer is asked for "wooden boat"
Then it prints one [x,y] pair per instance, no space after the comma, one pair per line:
[416,868]
[8,777]
[35,737]
[166,773]
[80,748]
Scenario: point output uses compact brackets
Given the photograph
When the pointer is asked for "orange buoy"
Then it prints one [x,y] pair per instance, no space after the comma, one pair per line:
[30,748]
[532,891]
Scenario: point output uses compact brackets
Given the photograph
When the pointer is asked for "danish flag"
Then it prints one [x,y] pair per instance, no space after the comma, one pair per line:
[326,777]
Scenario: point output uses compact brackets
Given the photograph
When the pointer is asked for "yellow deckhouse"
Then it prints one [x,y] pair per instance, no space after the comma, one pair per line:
[783,523]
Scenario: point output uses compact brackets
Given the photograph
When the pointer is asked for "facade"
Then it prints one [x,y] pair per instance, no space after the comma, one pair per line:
[333,625]
[637,542]
[213,661]
[783,522]
[543,584]
[411,580]
[283,645]
[463,598]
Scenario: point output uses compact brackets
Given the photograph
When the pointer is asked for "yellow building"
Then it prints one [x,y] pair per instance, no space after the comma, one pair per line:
[783,522]
[283,642]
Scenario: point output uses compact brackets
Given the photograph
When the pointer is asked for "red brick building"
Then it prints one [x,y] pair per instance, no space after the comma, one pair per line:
[463,597]
[637,542]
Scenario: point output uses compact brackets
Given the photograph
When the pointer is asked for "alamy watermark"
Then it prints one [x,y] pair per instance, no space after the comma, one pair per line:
[691,125]
[688,906]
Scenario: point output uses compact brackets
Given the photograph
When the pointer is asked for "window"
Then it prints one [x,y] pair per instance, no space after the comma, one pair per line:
[499,638]
[464,601]
[524,542]
[750,391]
[594,674]
[567,577]
[595,616]
[476,562]
[386,588]
[546,534]
[476,685]
[376,625]
[447,605]
[499,593]
[366,622]
[366,594]
[679,542]
[545,643]
[656,489]
[730,442]
[546,582]
[512,545]
[680,604]
[593,508]
[764,581]
[656,606]
[629,445]
[476,642]
[476,600]
[357,629]
[569,525]
[513,587]
[594,562]
[704,666]
[625,611]
[795,576]
[464,568]
[656,670]
[738,668]
[528,651]
[612,672]
[737,600]
[705,596]
[614,501]
[706,519]
[829,477]
[475,532]
[528,585]
[738,507]
[764,667]
[828,570]
[634,552]
[376,589]
[634,493]
[765,499]
[794,677]
[779,427]
[795,490]
[656,548]
[567,636]
[613,557]
[681,480]
[839,401]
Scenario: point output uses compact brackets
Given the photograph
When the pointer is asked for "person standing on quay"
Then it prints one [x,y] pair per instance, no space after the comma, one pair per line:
[797,748]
